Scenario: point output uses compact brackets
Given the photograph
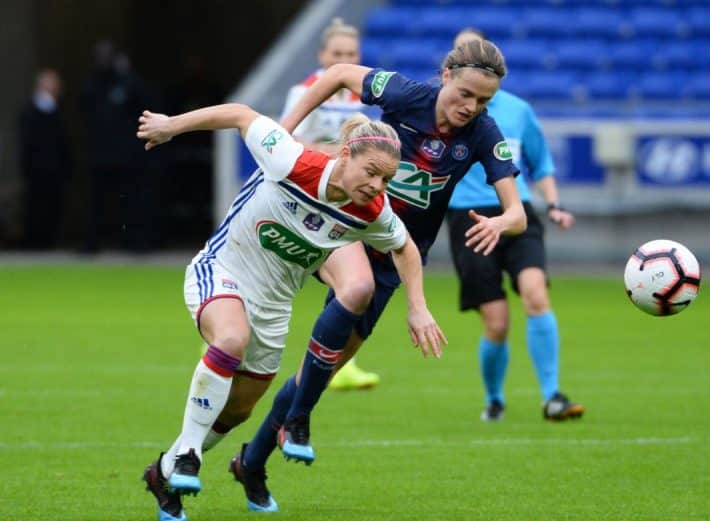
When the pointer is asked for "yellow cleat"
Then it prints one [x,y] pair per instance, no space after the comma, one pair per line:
[352,377]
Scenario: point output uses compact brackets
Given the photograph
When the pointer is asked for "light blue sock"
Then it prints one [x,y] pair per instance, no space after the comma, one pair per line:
[544,349]
[494,362]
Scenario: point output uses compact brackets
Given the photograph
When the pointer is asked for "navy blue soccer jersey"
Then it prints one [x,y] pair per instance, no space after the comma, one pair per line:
[432,162]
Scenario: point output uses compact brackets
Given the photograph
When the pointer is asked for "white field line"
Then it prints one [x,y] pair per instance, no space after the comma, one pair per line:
[84,445]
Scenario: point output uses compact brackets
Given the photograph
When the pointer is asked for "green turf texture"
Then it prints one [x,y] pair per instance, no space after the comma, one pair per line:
[96,362]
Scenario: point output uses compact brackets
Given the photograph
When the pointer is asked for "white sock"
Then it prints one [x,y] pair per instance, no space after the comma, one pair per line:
[208,395]
[167,464]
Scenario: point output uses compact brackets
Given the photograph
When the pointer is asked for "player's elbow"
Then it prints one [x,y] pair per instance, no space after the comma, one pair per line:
[519,221]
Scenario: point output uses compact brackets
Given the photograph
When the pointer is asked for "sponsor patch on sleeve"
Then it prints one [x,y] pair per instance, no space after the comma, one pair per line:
[379,82]
[501,151]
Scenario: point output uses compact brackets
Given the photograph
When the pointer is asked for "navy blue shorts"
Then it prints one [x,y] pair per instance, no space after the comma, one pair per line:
[386,281]
[480,276]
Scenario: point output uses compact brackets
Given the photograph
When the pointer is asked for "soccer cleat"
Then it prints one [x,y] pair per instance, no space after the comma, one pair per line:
[293,439]
[169,503]
[350,377]
[493,412]
[184,478]
[559,408]
[259,498]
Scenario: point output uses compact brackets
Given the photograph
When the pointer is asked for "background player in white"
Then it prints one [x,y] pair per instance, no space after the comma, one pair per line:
[340,43]
[521,256]
[289,216]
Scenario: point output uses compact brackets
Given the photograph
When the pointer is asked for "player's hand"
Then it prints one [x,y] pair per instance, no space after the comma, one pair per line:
[154,128]
[425,332]
[485,234]
[562,218]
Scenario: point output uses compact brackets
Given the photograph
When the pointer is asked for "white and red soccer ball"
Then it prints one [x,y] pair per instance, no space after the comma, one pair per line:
[662,277]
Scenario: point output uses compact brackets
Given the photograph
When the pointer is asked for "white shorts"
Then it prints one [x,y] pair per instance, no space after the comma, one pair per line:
[205,282]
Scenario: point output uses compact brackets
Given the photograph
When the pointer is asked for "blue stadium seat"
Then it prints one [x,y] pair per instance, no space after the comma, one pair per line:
[598,22]
[388,21]
[607,85]
[552,85]
[698,86]
[675,55]
[655,85]
[580,54]
[545,22]
[634,54]
[699,20]
[419,53]
[658,22]
[525,54]
[496,22]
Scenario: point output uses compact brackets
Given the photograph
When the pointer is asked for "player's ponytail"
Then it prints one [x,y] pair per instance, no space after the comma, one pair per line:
[359,134]
[476,54]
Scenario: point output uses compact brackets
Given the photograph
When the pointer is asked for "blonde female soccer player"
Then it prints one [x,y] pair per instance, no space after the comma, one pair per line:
[340,43]
[290,215]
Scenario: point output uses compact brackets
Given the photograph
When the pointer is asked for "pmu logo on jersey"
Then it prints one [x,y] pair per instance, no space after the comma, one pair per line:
[502,151]
[414,185]
[273,137]
[286,244]
[379,82]
[433,147]
[337,231]
[313,221]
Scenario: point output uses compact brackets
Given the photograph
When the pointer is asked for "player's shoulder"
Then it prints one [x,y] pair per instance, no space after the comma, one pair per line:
[509,101]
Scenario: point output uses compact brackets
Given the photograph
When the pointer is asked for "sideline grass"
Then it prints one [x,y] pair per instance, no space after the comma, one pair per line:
[96,362]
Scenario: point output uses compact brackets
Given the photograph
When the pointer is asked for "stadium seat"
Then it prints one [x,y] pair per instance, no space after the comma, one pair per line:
[598,23]
[546,22]
[553,85]
[674,55]
[655,85]
[699,20]
[387,21]
[698,86]
[580,54]
[635,54]
[525,54]
[607,85]
[497,23]
[658,23]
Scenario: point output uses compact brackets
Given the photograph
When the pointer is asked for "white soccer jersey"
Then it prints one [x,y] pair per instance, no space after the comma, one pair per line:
[324,122]
[280,228]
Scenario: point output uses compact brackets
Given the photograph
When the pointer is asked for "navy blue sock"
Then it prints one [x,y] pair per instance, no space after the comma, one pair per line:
[264,441]
[330,334]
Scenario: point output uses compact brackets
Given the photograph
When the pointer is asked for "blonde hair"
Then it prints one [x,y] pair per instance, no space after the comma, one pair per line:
[359,134]
[477,54]
[338,27]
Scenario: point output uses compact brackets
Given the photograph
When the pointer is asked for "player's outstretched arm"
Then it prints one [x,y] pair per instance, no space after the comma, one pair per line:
[485,233]
[423,329]
[157,129]
[341,75]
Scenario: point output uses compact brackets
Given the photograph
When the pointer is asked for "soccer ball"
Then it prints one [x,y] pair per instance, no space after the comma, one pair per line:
[662,277]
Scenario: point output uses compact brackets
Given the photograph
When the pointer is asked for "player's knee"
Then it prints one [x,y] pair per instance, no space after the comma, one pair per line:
[536,302]
[356,295]
[232,342]
[496,330]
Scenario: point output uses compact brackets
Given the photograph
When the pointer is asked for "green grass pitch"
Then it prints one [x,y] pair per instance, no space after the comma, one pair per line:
[96,362]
